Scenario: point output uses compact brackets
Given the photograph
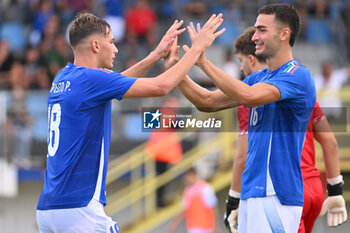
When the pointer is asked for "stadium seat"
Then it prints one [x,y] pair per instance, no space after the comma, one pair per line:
[14,33]
[37,107]
[318,31]
[230,35]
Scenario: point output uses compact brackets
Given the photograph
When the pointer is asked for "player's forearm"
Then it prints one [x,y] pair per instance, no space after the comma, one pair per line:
[238,168]
[239,163]
[324,135]
[229,85]
[172,77]
[141,68]
[203,99]
[331,159]
[196,94]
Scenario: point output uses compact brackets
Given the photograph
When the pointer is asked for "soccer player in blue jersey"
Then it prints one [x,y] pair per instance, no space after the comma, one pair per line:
[281,98]
[79,119]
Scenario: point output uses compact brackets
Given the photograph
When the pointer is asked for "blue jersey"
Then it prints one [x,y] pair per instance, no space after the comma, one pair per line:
[276,135]
[79,132]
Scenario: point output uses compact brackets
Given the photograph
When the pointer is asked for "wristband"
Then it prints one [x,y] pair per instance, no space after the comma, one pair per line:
[335,180]
[334,190]
[233,193]
[232,203]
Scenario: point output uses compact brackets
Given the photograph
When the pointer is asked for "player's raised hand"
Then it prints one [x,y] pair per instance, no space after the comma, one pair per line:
[334,205]
[193,33]
[206,35]
[173,56]
[168,39]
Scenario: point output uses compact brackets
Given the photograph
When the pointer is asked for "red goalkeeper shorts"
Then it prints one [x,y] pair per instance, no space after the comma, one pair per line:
[313,200]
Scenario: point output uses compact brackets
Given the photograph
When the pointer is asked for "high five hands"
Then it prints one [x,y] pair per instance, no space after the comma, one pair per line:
[204,37]
[201,39]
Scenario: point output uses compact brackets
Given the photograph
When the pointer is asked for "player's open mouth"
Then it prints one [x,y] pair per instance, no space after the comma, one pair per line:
[258,45]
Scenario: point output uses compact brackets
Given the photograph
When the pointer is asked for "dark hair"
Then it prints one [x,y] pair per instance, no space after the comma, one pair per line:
[285,14]
[84,25]
[245,45]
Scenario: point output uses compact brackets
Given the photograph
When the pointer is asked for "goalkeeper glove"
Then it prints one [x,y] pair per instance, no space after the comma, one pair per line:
[231,215]
[335,204]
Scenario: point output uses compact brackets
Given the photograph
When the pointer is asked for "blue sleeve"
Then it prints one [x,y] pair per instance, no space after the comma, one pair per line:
[103,85]
[247,80]
[292,86]
[252,78]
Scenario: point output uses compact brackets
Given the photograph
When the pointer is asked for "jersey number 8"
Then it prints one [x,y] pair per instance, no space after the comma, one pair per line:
[54,115]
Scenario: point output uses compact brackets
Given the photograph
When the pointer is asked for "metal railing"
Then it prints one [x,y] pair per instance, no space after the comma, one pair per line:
[139,167]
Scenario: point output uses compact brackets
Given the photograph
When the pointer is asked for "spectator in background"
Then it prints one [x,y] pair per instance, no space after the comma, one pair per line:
[199,206]
[230,66]
[6,61]
[18,77]
[329,84]
[55,55]
[165,146]
[196,10]
[345,16]
[115,17]
[35,70]
[52,29]
[69,8]
[77,5]
[15,11]
[63,48]
[140,23]
[19,123]
[43,11]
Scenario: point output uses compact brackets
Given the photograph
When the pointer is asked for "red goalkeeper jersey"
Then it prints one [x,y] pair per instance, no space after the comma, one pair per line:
[308,161]
[243,118]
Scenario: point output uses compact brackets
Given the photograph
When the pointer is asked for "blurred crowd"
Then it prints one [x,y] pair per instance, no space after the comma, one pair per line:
[34,47]
[34,44]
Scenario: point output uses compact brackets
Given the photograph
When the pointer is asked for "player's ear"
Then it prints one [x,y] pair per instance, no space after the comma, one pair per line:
[252,60]
[285,34]
[94,44]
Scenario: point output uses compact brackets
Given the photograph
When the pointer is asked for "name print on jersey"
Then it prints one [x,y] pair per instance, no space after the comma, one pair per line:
[60,87]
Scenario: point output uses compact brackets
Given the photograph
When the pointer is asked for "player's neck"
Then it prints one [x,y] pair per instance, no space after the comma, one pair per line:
[85,61]
[280,58]
[259,66]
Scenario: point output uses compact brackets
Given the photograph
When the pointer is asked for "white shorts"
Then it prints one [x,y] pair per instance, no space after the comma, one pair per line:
[90,218]
[266,215]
